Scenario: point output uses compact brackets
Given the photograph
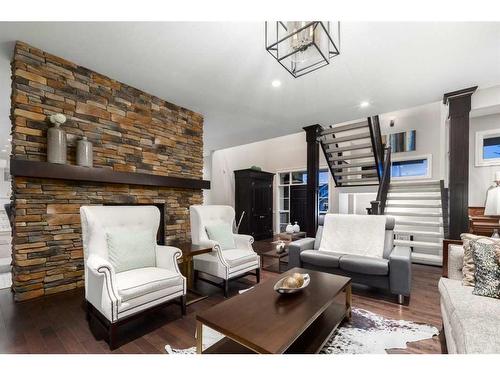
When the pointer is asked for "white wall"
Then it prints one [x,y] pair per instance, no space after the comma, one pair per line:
[5,186]
[426,120]
[480,178]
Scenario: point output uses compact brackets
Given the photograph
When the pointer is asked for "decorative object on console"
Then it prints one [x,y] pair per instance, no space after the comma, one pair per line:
[492,206]
[401,142]
[289,228]
[56,140]
[302,46]
[84,157]
[296,228]
[280,247]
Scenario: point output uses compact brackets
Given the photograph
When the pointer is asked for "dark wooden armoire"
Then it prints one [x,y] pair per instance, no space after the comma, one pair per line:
[254,196]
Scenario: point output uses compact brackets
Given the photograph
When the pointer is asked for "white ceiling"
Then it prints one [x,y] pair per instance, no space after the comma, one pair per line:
[223,71]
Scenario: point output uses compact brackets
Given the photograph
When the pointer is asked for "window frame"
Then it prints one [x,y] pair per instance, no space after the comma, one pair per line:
[480,137]
[279,185]
[427,157]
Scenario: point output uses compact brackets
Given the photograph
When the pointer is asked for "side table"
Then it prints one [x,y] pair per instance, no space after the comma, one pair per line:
[292,236]
[189,251]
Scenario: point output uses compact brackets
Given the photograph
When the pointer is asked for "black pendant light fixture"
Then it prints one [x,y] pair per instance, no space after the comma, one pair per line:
[302,47]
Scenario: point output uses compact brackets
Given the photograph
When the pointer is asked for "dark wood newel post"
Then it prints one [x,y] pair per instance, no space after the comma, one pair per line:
[312,133]
[459,106]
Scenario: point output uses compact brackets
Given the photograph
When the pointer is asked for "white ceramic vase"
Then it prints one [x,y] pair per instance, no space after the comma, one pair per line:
[296,228]
[289,228]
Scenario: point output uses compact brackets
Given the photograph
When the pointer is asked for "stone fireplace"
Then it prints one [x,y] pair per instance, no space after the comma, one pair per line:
[146,151]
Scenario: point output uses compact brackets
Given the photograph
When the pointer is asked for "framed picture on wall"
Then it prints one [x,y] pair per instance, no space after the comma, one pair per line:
[401,142]
[488,148]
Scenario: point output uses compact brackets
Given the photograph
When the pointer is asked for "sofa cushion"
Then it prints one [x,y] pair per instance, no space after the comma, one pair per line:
[364,265]
[474,320]
[321,258]
[129,249]
[487,273]
[237,257]
[141,281]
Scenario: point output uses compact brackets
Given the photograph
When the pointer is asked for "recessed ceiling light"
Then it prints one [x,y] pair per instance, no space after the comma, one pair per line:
[364,104]
[276,83]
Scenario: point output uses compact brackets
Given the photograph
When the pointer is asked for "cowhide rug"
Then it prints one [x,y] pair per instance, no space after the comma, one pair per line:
[366,333]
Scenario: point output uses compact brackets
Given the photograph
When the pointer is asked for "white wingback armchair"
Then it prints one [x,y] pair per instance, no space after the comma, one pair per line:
[114,296]
[225,264]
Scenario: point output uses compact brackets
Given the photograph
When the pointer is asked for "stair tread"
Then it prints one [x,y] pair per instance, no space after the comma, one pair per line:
[413,197]
[416,214]
[343,128]
[347,138]
[419,223]
[416,183]
[359,146]
[354,165]
[412,205]
[413,190]
[422,244]
[432,259]
[360,172]
[418,233]
[359,179]
[350,156]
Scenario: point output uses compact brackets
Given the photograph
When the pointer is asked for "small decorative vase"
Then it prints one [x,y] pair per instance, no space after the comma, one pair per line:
[56,140]
[84,153]
[289,228]
[280,247]
[296,228]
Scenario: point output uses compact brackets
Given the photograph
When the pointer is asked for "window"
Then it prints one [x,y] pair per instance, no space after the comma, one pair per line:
[488,148]
[323,192]
[297,178]
[411,168]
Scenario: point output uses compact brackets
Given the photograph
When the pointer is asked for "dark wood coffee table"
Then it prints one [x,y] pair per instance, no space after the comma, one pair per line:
[263,321]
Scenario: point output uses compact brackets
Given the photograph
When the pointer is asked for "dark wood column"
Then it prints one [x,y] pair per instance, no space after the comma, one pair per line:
[312,133]
[459,106]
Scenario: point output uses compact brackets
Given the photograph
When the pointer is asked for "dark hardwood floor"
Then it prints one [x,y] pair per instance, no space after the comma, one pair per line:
[56,324]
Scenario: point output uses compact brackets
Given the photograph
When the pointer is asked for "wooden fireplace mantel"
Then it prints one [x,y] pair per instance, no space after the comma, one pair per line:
[40,169]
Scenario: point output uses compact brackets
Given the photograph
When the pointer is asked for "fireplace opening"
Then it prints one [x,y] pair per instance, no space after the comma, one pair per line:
[160,235]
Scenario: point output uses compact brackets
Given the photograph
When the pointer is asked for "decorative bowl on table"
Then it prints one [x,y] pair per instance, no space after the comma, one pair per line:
[292,284]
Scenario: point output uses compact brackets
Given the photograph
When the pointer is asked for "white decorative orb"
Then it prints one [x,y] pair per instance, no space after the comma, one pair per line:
[58,118]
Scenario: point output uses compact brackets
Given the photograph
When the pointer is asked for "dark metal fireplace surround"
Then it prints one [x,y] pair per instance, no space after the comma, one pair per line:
[160,235]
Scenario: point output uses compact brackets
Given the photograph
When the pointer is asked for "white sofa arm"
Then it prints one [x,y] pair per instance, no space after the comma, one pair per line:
[216,250]
[102,292]
[167,256]
[243,241]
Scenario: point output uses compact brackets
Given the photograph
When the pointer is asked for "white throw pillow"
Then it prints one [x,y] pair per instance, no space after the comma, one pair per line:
[131,249]
[221,233]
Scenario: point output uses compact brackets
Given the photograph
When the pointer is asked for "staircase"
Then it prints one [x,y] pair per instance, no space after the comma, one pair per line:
[420,209]
[354,152]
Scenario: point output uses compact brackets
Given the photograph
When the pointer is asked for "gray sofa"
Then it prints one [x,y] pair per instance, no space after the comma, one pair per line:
[471,323]
[392,272]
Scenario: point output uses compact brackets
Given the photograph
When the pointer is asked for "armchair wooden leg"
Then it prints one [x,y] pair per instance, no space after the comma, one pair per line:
[257,274]
[112,333]
[226,288]
[87,311]
[183,305]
